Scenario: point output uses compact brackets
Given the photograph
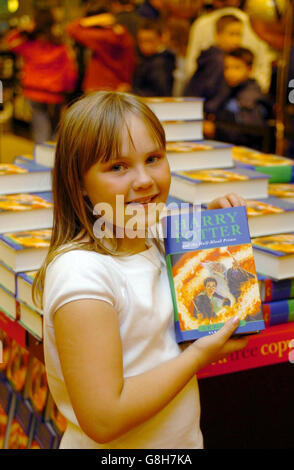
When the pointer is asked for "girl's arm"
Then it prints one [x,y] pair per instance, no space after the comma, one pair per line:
[90,350]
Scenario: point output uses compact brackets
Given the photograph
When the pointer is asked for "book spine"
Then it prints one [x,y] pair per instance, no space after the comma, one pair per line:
[271,290]
[279,312]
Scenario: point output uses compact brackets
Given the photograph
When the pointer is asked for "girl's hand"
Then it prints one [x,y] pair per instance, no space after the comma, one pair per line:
[229,200]
[219,345]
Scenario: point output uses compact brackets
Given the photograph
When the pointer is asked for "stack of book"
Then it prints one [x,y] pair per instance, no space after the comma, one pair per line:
[28,415]
[26,217]
[203,170]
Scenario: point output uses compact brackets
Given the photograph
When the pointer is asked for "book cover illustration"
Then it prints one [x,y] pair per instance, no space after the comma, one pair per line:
[187,147]
[18,439]
[28,239]
[217,175]
[23,202]
[3,425]
[254,158]
[17,366]
[212,273]
[11,169]
[279,245]
[38,385]
[282,190]
[271,205]
[5,350]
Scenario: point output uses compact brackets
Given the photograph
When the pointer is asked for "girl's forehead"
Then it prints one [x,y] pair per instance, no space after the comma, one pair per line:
[137,135]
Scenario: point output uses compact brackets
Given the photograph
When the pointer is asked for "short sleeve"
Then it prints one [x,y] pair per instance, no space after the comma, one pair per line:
[80,274]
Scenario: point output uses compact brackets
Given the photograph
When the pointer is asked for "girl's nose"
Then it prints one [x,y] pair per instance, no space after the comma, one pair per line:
[142,179]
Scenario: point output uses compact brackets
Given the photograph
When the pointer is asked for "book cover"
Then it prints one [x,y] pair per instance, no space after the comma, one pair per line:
[22,427]
[211,271]
[204,185]
[27,239]
[274,255]
[278,312]
[199,155]
[268,216]
[280,169]
[45,435]
[25,176]
[277,245]
[25,202]
[36,389]
[271,290]
[7,404]
[282,190]
[3,425]
[17,366]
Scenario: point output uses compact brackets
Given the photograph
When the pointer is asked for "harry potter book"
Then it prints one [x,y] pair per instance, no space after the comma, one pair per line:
[199,155]
[167,108]
[267,216]
[202,186]
[282,190]
[26,176]
[24,251]
[25,211]
[280,169]
[211,271]
[274,255]
[272,290]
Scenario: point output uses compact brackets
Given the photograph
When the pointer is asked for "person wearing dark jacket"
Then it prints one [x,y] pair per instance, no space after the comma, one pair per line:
[154,72]
[209,75]
[239,100]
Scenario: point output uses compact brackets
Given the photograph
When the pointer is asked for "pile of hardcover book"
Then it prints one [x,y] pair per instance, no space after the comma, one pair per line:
[28,415]
[203,170]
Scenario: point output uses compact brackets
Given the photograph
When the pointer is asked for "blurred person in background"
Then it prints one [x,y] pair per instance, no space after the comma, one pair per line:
[239,101]
[126,15]
[202,37]
[151,9]
[154,72]
[49,71]
[209,75]
[112,61]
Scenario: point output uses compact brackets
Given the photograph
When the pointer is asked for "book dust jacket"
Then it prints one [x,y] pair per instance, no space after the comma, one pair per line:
[211,271]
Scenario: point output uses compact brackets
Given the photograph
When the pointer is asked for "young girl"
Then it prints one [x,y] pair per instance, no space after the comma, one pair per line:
[113,366]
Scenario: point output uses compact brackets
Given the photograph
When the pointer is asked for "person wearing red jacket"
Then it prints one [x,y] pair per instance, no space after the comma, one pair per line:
[112,63]
[49,72]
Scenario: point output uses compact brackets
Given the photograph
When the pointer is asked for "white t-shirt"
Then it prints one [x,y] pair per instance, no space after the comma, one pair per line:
[137,287]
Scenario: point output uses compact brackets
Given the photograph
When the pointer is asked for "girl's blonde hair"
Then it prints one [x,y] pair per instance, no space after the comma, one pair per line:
[90,131]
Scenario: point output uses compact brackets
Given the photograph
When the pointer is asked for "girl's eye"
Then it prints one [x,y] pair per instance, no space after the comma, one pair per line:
[153,158]
[117,167]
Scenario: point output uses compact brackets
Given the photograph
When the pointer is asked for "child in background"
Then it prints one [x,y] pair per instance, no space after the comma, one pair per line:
[209,75]
[176,34]
[112,61]
[113,365]
[154,72]
[239,100]
[49,71]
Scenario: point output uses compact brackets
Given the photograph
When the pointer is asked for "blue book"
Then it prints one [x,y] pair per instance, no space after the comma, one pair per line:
[271,215]
[26,250]
[271,290]
[211,271]
[278,312]
[25,211]
[274,255]
[202,186]
[25,176]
